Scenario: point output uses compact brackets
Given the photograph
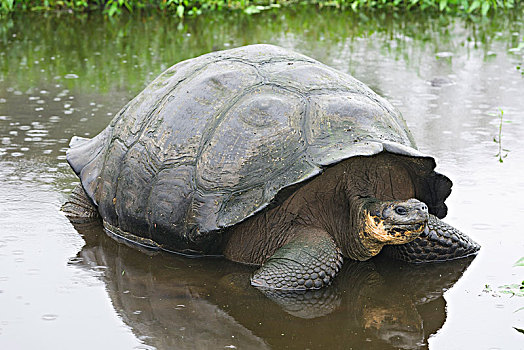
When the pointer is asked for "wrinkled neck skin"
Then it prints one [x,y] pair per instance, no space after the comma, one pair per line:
[362,244]
[352,237]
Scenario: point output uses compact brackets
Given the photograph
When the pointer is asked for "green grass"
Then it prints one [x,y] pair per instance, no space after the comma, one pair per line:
[183,8]
[503,152]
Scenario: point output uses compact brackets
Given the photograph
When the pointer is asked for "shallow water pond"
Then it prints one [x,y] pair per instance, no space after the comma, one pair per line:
[459,89]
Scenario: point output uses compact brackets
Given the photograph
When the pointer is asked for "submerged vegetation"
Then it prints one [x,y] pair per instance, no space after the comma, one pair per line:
[183,8]
[503,153]
[514,289]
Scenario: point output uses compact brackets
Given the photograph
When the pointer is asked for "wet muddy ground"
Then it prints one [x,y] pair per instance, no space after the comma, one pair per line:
[65,286]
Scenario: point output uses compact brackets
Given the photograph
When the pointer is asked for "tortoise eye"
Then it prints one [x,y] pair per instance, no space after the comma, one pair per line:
[401,210]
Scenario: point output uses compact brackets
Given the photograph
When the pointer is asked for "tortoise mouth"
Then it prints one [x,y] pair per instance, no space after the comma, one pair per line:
[405,233]
[383,232]
[414,226]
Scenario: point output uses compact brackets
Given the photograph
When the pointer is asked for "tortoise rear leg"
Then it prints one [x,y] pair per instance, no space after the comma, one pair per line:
[439,242]
[79,207]
[309,261]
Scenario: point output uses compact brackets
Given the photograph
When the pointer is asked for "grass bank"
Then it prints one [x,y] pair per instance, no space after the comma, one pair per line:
[183,8]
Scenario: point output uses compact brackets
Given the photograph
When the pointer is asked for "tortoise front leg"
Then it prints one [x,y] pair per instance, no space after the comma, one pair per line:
[309,260]
[438,242]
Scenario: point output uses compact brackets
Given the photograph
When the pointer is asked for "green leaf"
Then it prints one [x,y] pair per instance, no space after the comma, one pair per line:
[128,6]
[519,330]
[443,4]
[520,262]
[475,5]
[485,8]
[8,4]
[252,10]
[112,10]
[180,11]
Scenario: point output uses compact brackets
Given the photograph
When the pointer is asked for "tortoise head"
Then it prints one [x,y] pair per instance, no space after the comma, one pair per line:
[394,222]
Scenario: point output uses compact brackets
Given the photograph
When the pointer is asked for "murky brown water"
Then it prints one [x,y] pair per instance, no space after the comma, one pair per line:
[67,287]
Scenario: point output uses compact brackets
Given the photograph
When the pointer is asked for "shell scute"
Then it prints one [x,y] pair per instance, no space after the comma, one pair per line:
[346,124]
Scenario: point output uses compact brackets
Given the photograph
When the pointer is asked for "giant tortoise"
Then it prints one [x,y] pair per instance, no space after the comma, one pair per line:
[270,158]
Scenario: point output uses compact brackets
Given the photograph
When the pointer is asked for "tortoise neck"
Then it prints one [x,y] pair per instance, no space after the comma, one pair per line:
[360,246]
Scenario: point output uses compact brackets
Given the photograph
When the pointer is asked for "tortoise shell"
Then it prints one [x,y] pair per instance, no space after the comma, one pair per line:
[215,139]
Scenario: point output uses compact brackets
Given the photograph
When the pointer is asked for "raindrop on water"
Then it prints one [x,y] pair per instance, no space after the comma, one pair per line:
[481,226]
[75,260]
[99,268]
[33,272]
[49,317]
[444,54]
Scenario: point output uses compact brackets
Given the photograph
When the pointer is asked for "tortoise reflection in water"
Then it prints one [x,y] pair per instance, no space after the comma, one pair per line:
[270,158]
[176,303]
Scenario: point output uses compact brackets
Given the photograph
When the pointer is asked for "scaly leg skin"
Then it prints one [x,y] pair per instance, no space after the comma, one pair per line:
[438,242]
[78,207]
[309,261]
